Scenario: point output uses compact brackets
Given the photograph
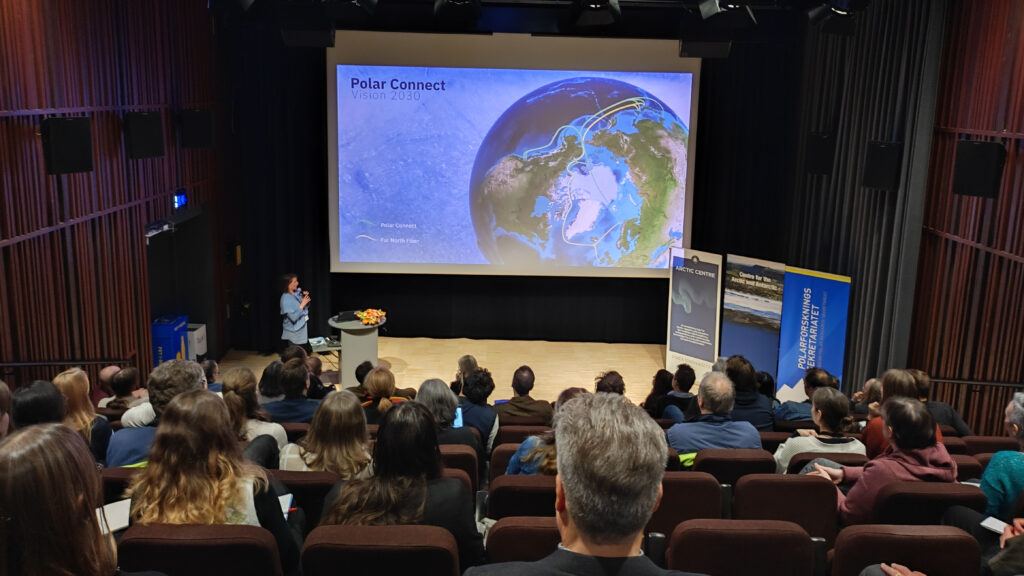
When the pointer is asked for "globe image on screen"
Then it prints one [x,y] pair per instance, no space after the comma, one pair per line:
[581,172]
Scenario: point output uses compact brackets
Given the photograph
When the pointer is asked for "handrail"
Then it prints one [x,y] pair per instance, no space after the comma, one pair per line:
[979,383]
[130,360]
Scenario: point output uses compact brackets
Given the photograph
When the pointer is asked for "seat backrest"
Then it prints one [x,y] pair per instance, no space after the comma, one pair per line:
[685,496]
[516,434]
[421,550]
[741,548]
[982,444]
[500,458]
[308,490]
[933,550]
[967,467]
[983,459]
[770,440]
[295,430]
[116,481]
[665,423]
[459,475]
[199,550]
[522,539]
[509,420]
[948,430]
[798,461]
[808,501]
[521,496]
[955,445]
[461,457]
[792,425]
[728,465]
[924,502]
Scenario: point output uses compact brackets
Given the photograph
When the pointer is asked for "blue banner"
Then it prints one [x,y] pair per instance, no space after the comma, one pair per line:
[814,311]
[694,291]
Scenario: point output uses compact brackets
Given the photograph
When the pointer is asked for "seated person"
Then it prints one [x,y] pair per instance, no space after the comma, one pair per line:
[831,411]
[467,365]
[870,394]
[766,386]
[1002,554]
[751,406]
[407,486]
[294,379]
[680,403]
[38,403]
[49,494]
[336,441]
[212,371]
[895,384]
[363,369]
[130,446]
[125,384]
[103,389]
[607,448]
[316,389]
[248,420]
[609,382]
[521,405]
[442,403]
[380,394]
[915,456]
[661,385]
[197,475]
[714,428]
[477,387]
[941,411]
[538,454]
[1003,479]
[814,378]
[79,414]
[269,388]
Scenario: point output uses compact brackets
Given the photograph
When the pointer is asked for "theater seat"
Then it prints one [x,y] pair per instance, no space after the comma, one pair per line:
[508,420]
[798,461]
[295,430]
[189,550]
[521,496]
[459,475]
[516,434]
[308,489]
[924,502]
[955,445]
[741,548]
[522,539]
[461,457]
[420,550]
[685,496]
[932,550]
[770,440]
[807,501]
[983,444]
[500,458]
[115,481]
[728,465]
[967,467]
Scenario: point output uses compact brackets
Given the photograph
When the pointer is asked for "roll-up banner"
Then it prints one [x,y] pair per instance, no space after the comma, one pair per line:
[694,288]
[814,311]
[752,310]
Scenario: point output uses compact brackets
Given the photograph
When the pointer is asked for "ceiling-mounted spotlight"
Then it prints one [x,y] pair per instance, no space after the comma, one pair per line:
[595,14]
[709,8]
[824,11]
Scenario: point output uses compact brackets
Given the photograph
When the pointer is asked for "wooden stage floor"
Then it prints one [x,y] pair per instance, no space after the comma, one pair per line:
[557,365]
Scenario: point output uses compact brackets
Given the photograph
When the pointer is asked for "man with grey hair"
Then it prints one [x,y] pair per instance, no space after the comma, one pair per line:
[714,428]
[611,459]
[131,445]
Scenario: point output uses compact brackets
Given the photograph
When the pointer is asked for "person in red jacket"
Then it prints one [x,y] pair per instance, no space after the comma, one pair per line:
[913,455]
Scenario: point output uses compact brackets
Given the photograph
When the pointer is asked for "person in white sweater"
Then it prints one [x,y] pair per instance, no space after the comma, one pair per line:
[831,412]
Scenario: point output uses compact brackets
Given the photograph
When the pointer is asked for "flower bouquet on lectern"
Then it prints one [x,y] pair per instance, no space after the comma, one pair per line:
[371,316]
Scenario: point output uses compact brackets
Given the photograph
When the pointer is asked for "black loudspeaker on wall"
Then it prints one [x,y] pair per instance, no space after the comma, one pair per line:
[67,144]
[144,134]
[196,128]
[979,168]
[821,152]
[882,165]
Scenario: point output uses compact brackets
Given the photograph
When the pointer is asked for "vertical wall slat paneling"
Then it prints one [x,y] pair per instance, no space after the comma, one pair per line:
[60,58]
[969,313]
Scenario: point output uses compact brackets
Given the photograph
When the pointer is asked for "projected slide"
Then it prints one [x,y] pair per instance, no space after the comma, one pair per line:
[506,167]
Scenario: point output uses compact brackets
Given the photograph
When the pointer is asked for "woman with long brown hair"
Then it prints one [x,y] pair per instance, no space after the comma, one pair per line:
[196,475]
[248,420]
[49,492]
[336,441]
[407,486]
[79,413]
[380,389]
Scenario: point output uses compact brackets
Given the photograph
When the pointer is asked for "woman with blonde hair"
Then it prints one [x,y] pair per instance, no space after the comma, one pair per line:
[336,441]
[248,420]
[79,414]
[49,493]
[380,389]
[196,475]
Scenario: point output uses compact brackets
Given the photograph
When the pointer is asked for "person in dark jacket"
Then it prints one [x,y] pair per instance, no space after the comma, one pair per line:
[750,405]
[941,411]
